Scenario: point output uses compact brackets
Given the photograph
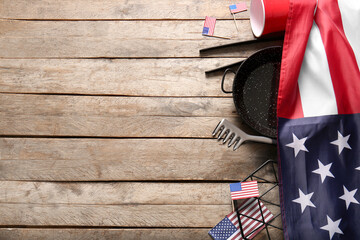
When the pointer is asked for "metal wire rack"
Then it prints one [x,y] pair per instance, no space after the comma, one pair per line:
[273,186]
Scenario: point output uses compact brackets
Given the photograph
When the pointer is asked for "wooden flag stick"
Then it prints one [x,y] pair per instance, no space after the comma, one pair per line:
[235,22]
[217,36]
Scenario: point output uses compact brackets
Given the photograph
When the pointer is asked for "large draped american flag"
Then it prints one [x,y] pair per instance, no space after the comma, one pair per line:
[319,121]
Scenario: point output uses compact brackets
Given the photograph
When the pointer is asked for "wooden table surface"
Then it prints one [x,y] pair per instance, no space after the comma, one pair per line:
[106,118]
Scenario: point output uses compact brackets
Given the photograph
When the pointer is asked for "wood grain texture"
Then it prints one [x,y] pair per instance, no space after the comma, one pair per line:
[117,39]
[122,193]
[112,215]
[63,215]
[137,162]
[115,10]
[118,234]
[128,159]
[87,200]
[48,115]
[119,193]
[130,77]
[101,234]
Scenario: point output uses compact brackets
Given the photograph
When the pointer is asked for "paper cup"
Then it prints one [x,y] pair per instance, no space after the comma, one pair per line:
[268,16]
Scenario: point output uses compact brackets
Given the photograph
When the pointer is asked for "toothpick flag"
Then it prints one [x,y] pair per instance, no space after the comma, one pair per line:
[244,190]
[235,8]
[240,7]
[252,222]
[209,26]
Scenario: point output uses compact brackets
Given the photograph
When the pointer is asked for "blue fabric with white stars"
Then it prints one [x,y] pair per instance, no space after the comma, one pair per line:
[223,230]
[319,161]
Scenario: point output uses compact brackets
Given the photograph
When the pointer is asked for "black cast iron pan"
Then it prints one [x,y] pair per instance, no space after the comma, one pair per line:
[255,90]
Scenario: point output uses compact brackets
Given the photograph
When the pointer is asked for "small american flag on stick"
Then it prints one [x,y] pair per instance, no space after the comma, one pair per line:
[209,26]
[240,7]
[244,190]
[252,222]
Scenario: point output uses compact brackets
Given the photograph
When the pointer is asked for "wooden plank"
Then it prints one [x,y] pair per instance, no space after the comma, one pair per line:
[108,234]
[49,115]
[117,234]
[114,106]
[112,215]
[128,159]
[63,215]
[121,9]
[118,39]
[130,77]
[122,193]
[81,198]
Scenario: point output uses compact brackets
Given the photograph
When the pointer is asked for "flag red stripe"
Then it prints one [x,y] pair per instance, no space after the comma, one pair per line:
[250,225]
[210,23]
[240,194]
[260,226]
[249,211]
[248,190]
[343,67]
[237,194]
[267,216]
[245,194]
[298,28]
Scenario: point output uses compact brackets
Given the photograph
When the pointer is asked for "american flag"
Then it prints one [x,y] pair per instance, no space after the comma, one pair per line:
[209,26]
[240,7]
[319,121]
[251,221]
[244,190]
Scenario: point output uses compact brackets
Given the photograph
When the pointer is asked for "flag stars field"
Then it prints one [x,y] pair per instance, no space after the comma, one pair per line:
[342,142]
[323,171]
[298,145]
[348,197]
[304,200]
[332,227]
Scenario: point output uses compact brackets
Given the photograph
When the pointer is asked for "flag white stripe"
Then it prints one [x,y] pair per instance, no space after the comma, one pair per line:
[250,209]
[250,190]
[254,224]
[245,211]
[247,193]
[252,212]
[247,189]
[248,184]
[315,84]
[350,16]
[239,196]
[242,197]
[256,216]
[255,227]
[266,218]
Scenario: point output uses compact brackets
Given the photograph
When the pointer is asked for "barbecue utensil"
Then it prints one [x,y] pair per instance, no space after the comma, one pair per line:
[255,90]
[259,43]
[229,132]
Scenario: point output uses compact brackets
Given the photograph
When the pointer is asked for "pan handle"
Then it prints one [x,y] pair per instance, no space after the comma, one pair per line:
[223,79]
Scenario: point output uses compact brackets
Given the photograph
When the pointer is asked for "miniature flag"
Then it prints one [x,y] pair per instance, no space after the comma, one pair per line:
[244,190]
[252,222]
[209,26]
[235,8]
